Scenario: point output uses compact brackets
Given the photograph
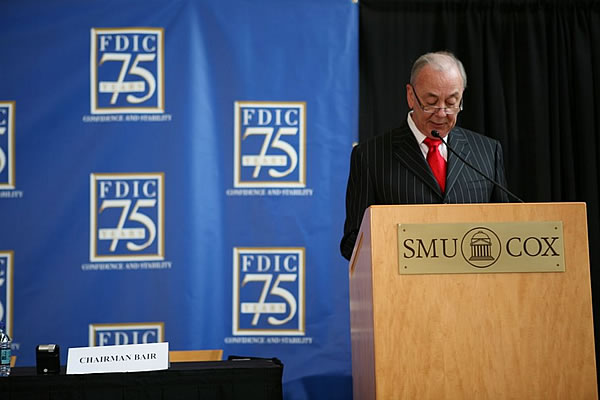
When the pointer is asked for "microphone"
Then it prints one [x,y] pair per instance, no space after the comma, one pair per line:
[437,135]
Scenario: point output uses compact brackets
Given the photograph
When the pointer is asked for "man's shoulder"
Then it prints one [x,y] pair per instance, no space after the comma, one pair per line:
[384,139]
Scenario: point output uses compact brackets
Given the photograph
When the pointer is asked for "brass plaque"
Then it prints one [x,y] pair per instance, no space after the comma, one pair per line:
[475,248]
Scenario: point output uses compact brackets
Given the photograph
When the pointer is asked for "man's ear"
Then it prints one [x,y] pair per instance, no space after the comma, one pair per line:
[409,96]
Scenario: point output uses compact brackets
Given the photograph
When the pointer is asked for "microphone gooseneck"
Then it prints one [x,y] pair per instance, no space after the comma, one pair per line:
[437,135]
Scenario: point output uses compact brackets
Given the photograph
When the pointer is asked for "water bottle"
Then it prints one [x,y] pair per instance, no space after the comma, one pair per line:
[4,352]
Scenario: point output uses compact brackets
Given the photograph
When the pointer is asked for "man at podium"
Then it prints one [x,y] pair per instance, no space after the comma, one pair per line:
[412,164]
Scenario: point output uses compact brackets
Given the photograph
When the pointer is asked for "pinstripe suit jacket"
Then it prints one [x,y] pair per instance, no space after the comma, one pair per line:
[391,169]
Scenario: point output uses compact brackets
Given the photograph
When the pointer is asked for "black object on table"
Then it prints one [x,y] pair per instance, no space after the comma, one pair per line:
[207,380]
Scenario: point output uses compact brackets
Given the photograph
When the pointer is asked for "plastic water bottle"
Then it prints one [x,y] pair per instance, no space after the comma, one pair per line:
[4,352]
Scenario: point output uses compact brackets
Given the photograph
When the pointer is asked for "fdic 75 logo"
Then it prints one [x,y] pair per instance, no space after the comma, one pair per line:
[7,145]
[269,144]
[268,291]
[127,217]
[6,289]
[126,70]
[126,333]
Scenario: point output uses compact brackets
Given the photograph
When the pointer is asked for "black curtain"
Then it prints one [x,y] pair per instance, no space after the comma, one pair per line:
[533,71]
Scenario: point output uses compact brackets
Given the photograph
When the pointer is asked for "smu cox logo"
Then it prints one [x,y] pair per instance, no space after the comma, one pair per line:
[126,70]
[268,291]
[7,145]
[6,289]
[269,144]
[127,333]
[493,247]
[127,217]
[481,247]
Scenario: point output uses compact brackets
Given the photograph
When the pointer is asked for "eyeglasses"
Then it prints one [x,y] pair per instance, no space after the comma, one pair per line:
[434,110]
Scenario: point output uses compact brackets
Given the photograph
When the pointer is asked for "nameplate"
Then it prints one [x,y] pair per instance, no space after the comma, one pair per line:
[125,358]
[481,247]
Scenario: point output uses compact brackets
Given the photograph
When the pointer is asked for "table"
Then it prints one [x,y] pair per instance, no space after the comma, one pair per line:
[208,380]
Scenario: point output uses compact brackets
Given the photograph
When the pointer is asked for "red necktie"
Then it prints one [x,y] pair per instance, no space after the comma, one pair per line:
[436,161]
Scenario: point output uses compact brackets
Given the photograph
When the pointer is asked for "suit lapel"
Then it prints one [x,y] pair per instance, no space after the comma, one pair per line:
[406,149]
[461,146]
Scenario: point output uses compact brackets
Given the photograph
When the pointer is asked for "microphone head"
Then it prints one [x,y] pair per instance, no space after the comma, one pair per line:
[436,134]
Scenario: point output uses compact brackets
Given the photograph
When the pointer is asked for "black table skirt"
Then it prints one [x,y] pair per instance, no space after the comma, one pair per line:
[219,380]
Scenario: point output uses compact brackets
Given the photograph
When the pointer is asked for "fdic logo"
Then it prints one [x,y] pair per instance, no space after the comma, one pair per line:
[7,145]
[128,333]
[6,289]
[269,144]
[126,70]
[127,217]
[268,291]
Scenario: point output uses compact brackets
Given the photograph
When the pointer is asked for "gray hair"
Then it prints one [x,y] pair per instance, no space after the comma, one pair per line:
[440,60]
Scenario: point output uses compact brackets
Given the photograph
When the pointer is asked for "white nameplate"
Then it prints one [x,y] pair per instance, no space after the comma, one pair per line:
[126,358]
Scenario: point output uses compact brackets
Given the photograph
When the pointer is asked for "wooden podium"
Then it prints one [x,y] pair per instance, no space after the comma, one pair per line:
[470,336]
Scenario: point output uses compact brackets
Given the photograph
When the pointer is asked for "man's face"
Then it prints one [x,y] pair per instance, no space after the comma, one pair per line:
[435,88]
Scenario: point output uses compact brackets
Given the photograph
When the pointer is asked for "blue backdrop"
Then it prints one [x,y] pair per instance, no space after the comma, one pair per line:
[175,171]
